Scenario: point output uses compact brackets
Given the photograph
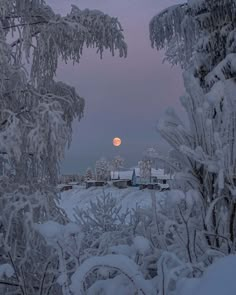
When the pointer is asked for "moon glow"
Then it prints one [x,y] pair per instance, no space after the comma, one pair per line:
[116,141]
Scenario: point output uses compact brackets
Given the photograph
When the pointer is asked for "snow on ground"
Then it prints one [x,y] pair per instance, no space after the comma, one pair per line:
[6,270]
[218,279]
[81,197]
[130,197]
[127,198]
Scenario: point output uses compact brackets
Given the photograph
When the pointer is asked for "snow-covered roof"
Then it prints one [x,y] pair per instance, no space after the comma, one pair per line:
[95,181]
[122,175]
[158,173]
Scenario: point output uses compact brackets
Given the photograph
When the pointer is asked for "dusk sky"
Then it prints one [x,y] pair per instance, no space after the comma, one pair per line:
[124,97]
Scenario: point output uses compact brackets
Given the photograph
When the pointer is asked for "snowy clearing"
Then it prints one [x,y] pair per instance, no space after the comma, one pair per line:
[128,198]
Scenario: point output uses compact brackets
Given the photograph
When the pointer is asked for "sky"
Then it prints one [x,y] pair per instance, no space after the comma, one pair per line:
[124,96]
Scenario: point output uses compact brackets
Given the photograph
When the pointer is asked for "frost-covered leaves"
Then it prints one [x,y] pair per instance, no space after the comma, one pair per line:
[198,32]
[208,145]
[36,113]
[34,263]
[204,149]
[36,116]
[49,36]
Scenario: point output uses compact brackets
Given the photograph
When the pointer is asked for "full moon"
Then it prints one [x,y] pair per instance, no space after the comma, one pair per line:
[116,141]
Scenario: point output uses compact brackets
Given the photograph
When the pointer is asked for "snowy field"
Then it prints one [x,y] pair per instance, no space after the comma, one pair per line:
[81,197]
[128,198]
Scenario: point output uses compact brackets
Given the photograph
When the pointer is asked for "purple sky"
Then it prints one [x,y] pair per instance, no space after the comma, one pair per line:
[124,97]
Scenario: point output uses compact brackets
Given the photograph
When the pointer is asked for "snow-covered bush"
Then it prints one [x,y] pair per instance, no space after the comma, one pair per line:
[103,224]
[165,242]
[130,281]
[112,250]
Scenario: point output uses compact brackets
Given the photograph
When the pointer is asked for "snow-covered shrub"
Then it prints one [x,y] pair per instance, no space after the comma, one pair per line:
[34,263]
[110,234]
[165,242]
[66,240]
[129,281]
[103,226]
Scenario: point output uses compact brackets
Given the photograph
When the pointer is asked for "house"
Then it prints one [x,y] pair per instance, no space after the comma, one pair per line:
[64,187]
[121,183]
[121,179]
[157,180]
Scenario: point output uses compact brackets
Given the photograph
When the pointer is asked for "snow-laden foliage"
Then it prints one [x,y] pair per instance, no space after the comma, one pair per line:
[36,115]
[120,263]
[102,169]
[204,150]
[117,163]
[66,240]
[201,32]
[164,243]
[200,36]
[145,170]
[34,263]
[89,175]
[103,224]
[37,112]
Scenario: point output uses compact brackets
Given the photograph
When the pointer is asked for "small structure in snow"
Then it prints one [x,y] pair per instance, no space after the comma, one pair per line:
[121,179]
[94,183]
[122,183]
[157,180]
[65,187]
[70,178]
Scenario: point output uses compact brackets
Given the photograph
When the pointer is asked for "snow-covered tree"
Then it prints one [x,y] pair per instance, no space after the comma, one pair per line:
[89,174]
[145,170]
[102,169]
[200,35]
[37,112]
[117,163]
[36,115]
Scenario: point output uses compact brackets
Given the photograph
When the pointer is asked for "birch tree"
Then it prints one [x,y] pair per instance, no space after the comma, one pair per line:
[36,115]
